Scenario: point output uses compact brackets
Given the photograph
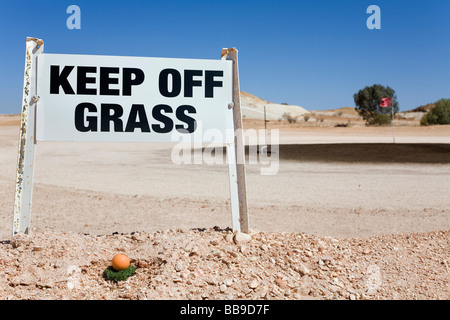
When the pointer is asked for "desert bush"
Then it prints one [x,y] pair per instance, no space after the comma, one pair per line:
[424,120]
[381,120]
[287,116]
[439,114]
[306,117]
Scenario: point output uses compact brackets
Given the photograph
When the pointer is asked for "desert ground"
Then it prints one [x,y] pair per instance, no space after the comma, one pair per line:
[345,214]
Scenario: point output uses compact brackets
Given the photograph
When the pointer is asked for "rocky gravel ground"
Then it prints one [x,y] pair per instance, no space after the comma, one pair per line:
[217,264]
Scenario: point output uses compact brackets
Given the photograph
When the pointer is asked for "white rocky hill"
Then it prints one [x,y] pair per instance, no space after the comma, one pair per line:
[253,108]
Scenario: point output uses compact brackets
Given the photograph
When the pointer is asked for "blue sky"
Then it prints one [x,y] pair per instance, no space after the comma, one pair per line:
[315,54]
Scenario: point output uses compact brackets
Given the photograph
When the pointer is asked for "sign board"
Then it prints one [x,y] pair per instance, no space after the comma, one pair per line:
[128,99]
[135,99]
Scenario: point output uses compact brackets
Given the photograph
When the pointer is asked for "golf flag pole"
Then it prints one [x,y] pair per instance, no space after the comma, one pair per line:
[393,130]
[387,102]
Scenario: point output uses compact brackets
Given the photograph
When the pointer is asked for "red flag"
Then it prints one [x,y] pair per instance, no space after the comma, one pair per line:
[386,102]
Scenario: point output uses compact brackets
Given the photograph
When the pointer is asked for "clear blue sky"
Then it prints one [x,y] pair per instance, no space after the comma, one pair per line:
[314,53]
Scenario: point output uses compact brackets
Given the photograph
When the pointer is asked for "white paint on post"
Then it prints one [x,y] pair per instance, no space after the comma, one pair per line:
[234,187]
[26,153]
[238,169]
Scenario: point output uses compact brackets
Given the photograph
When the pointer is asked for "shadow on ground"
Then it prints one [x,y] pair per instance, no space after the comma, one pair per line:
[434,153]
[367,152]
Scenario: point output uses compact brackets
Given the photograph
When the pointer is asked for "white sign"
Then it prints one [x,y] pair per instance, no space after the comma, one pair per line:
[136,99]
[108,98]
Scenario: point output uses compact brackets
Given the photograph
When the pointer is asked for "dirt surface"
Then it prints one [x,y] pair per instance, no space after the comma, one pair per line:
[347,214]
[217,264]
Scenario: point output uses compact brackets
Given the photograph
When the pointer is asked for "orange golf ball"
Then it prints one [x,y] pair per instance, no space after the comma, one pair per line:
[120,261]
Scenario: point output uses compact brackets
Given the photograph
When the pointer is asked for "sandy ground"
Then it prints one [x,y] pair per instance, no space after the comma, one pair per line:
[350,184]
[321,186]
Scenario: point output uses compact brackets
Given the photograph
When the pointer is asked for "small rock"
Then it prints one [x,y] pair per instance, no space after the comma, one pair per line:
[229,237]
[135,237]
[20,239]
[142,264]
[336,282]
[282,283]
[303,270]
[198,273]
[261,292]
[240,238]
[327,259]
[47,284]
[223,287]
[303,290]
[211,281]
[243,249]
[254,284]
[193,250]
[371,291]
[178,266]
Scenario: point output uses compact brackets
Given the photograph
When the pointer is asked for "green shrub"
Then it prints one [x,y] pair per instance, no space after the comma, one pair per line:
[424,120]
[439,114]
[381,119]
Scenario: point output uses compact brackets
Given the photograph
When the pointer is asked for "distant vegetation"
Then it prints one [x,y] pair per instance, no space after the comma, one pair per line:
[382,119]
[439,114]
[287,116]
